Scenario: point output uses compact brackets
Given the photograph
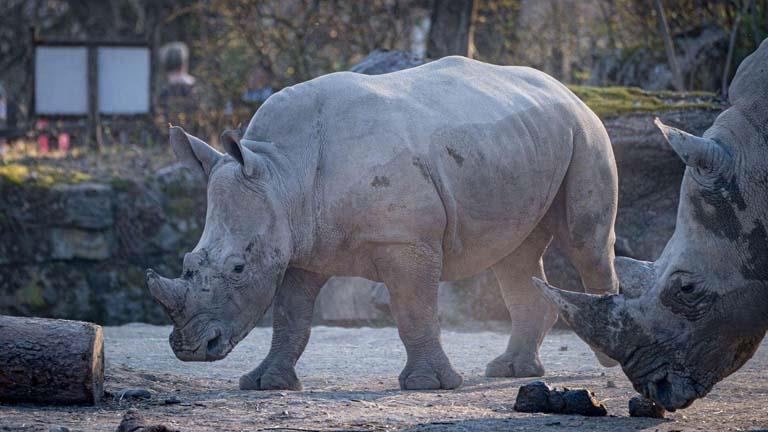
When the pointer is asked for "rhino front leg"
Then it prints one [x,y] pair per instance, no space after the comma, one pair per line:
[412,274]
[291,327]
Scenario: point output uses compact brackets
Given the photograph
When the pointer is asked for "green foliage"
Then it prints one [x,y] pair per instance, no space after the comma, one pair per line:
[40,175]
[613,101]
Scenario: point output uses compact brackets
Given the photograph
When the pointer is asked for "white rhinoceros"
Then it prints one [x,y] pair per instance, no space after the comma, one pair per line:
[427,174]
[699,312]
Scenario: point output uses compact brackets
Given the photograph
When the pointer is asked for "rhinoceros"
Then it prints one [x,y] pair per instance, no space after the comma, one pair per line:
[427,174]
[700,311]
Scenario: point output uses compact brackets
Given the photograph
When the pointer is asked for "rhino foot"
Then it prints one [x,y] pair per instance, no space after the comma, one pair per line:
[268,377]
[426,377]
[505,366]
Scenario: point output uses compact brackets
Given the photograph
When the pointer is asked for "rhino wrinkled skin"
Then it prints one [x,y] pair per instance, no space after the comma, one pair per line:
[428,174]
[700,311]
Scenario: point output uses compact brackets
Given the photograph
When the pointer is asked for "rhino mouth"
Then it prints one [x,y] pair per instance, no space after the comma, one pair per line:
[216,348]
[671,390]
[212,346]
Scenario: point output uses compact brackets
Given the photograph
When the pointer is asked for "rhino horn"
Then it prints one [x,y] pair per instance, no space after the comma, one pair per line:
[696,152]
[165,292]
[635,277]
[594,318]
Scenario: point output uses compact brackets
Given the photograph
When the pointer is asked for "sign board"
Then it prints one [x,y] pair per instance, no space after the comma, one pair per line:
[70,74]
[61,80]
[123,75]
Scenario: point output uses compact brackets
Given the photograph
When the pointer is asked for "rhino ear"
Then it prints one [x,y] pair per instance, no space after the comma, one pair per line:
[242,151]
[696,152]
[193,152]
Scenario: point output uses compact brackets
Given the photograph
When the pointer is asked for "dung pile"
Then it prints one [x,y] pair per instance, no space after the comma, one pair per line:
[538,396]
[642,407]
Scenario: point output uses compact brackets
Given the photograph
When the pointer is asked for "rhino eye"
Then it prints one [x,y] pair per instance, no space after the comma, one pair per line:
[239,268]
[687,289]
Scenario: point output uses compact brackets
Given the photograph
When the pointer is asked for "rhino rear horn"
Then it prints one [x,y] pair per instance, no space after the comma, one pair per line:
[594,318]
[635,276]
[696,152]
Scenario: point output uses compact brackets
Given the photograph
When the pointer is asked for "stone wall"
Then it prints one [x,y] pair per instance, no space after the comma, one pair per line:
[79,249]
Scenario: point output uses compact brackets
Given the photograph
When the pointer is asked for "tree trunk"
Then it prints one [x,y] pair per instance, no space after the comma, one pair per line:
[450,32]
[669,47]
[729,56]
[50,361]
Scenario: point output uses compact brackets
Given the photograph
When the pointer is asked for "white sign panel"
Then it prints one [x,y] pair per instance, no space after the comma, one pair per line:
[61,75]
[123,80]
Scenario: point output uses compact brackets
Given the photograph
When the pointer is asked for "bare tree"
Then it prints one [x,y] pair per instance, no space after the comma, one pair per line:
[451,29]
[731,47]
[669,46]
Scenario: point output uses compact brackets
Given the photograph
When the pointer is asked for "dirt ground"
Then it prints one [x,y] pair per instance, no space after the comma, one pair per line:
[350,381]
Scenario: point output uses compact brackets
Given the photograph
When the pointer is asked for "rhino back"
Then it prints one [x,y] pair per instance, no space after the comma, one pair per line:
[456,150]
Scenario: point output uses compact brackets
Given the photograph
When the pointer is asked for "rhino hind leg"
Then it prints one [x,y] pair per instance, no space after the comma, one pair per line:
[583,224]
[532,316]
[411,274]
[292,323]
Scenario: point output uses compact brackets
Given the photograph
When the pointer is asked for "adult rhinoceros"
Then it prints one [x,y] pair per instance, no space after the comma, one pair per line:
[702,309]
[428,174]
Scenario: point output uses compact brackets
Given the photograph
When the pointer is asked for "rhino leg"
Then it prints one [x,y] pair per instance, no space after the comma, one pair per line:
[411,274]
[584,223]
[532,316]
[291,323]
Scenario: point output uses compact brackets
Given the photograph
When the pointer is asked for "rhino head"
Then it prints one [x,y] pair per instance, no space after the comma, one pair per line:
[699,312]
[229,279]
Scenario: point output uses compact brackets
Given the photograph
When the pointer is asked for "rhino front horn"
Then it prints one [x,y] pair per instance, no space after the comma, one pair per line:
[594,318]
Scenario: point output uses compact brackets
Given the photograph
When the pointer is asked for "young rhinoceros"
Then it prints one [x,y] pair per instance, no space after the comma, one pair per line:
[427,174]
[702,309]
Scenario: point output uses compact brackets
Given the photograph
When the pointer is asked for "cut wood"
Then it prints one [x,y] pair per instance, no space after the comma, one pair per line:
[50,361]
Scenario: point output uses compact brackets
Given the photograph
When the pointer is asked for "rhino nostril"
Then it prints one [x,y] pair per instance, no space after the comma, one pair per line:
[213,345]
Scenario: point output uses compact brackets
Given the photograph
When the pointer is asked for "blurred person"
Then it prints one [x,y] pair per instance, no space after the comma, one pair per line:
[178,95]
[259,88]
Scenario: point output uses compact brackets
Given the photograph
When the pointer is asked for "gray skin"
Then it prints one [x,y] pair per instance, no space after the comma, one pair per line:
[699,312]
[428,174]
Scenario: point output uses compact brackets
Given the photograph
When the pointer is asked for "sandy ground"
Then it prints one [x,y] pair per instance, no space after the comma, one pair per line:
[350,380]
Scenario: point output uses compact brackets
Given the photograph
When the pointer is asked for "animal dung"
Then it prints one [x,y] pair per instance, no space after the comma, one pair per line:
[642,407]
[538,396]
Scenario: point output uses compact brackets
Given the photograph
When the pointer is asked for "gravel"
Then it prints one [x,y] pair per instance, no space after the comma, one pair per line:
[350,381]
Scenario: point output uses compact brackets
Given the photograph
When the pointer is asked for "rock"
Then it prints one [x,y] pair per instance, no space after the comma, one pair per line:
[72,243]
[583,402]
[642,407]
[84,205]
[540,397]
[133,421]
[173,400]
[533,397]
[134,393]
[701,55]
[381,61]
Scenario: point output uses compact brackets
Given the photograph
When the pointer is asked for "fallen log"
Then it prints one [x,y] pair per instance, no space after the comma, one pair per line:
[50,361]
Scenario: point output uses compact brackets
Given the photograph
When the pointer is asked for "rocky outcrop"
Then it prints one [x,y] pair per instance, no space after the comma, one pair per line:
[701,55]
[79,250]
